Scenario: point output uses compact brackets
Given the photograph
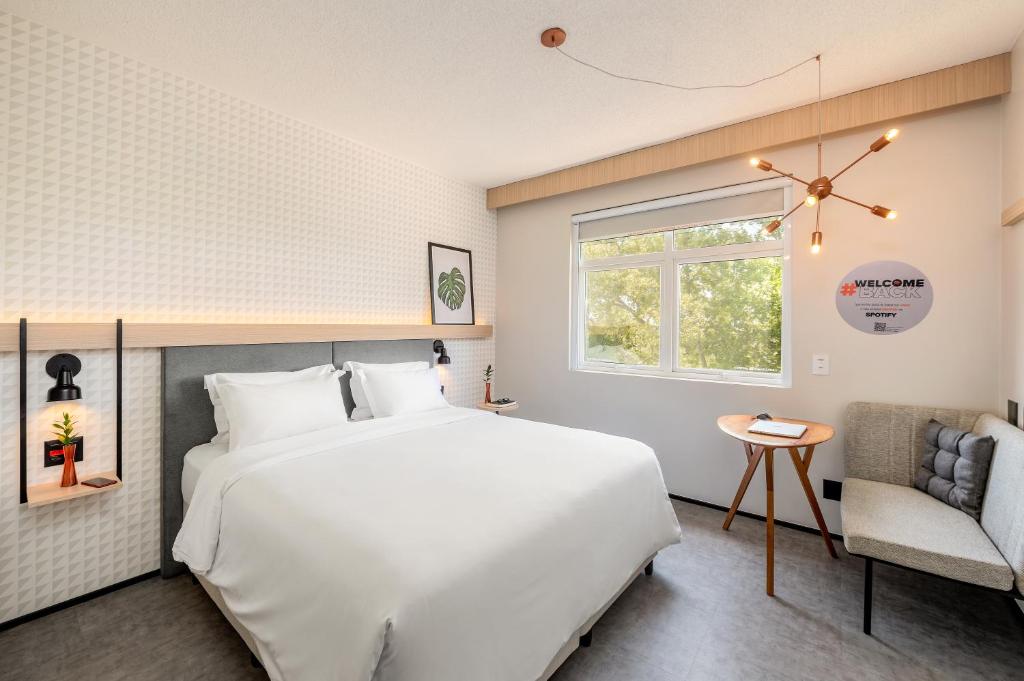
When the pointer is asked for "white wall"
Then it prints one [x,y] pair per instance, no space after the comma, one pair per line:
[131,192]
[942,177]
[1012,371]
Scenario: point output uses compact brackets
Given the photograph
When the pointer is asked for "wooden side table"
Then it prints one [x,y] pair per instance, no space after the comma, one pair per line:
[497,408]
[756,446]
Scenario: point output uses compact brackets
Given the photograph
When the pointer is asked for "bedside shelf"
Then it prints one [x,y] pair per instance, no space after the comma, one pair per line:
[497,408]
[52,492]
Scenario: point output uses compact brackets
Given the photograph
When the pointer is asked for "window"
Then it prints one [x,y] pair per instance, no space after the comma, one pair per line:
[687,287]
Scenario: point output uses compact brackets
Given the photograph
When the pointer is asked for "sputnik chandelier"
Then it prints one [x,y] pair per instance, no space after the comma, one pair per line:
[820,189]
[817,190]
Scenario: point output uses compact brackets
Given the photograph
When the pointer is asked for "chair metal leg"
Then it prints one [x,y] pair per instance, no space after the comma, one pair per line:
[869,569]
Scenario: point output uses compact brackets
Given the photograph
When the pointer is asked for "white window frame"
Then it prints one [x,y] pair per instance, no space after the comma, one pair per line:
[669,260]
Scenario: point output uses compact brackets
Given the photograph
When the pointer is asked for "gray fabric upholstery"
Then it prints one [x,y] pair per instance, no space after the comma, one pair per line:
[905,526]
[955,467]
[378,352]
[1002,510]
[885,442]
[188,414]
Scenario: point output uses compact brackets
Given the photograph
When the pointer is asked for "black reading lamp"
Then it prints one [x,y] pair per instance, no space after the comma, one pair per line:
[440,350]
[63,367]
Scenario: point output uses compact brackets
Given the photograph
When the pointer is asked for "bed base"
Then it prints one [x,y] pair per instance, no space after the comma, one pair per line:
[583,638]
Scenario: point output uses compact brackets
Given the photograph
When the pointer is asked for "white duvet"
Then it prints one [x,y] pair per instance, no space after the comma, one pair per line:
[452,545]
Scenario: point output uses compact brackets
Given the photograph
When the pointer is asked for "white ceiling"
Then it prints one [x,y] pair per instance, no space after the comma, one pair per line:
[463,87]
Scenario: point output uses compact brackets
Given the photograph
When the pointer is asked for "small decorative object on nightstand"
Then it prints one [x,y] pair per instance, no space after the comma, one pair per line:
[65,432]
[488,375]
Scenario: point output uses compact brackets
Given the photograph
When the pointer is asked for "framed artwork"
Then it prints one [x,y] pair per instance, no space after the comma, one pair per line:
[451,285]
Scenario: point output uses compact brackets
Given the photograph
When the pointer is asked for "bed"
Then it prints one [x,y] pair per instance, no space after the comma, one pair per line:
[452,544]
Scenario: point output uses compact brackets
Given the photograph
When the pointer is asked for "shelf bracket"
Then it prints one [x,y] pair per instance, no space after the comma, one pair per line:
[23,404]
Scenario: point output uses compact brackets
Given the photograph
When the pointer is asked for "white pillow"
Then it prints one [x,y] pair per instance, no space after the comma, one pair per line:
[212,382]
[402,392]
[362,409]
[259,413]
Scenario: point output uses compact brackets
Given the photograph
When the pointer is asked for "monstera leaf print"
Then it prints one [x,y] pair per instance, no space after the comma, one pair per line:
[451,288]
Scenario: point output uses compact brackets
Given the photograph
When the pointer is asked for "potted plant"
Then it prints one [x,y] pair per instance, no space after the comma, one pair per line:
[65,432]
[488,375]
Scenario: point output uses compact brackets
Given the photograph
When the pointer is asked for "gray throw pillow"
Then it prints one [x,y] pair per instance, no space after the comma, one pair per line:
[955,467]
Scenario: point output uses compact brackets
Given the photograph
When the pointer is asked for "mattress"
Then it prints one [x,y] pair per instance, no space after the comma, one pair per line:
[197,459]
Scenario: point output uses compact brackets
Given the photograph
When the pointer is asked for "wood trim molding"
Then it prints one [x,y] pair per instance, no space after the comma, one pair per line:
[1013,213]
[976,80]
[91,336]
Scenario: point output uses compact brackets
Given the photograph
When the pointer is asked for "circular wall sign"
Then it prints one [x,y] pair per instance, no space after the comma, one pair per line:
[884,297]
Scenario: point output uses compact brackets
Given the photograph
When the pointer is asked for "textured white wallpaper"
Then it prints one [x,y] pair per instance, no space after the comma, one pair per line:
[127,191]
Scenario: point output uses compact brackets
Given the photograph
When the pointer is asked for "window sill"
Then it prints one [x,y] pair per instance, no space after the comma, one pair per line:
[678,376]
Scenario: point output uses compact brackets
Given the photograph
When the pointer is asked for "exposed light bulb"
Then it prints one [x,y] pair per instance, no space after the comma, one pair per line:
[810,200]
[883,212]
[883,141]
[754,162]
[816,243]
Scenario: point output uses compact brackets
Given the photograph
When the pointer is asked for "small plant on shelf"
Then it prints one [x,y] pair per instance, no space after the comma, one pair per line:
[65,432]
[488,375]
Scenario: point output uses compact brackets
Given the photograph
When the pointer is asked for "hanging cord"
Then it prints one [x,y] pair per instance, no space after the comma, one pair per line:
[691,87]
[818,59]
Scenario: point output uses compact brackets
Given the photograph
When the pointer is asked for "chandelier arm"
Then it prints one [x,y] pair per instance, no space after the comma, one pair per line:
[849,200]
[817,218]
[792,210]
[861,158]
[792,177]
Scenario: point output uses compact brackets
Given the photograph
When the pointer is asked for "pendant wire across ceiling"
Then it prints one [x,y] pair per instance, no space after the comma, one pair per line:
[817,190]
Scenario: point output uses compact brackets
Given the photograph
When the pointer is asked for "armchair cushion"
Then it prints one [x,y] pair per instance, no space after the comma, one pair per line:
[903,525]
[955,467]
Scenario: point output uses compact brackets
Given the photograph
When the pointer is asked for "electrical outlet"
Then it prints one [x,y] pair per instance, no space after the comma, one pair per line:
[819,365]
[53,452]
[1011,412]
[832,489]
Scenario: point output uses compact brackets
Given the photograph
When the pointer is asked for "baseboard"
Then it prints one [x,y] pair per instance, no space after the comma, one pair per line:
[754,516]
[56,607]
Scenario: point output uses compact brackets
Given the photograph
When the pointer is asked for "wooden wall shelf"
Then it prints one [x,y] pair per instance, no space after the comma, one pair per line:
[1013,213]
[92,336]
[52,492]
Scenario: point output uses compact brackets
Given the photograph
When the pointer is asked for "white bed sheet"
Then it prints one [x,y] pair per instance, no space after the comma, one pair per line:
[196,460]
[451,545]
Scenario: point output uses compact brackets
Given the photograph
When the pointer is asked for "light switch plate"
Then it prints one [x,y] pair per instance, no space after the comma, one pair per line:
[819,365]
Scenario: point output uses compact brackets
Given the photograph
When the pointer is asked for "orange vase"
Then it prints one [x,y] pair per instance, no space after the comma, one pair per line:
[69,477]
[487,394]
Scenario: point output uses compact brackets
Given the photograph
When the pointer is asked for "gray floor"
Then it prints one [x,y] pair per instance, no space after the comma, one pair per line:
[703,616]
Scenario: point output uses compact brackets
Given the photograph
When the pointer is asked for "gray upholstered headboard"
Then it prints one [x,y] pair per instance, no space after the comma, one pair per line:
[188,414]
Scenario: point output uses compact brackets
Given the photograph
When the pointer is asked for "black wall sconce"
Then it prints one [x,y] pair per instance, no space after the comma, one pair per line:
[62,367]
[442,353]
